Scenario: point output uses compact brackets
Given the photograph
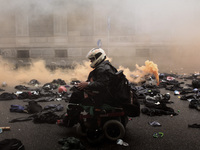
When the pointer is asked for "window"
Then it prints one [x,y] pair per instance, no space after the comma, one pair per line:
[61,53]
[23,54]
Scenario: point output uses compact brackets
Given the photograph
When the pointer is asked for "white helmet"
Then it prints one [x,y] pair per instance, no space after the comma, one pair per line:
[96,55]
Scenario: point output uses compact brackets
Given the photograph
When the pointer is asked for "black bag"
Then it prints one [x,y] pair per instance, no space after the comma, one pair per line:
[121,88]
[11,144]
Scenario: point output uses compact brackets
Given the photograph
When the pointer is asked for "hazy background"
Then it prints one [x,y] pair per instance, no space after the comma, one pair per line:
[166,32]
[171,20]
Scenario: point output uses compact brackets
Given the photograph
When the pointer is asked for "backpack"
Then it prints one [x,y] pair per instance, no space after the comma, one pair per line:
[122,94]
[121,88]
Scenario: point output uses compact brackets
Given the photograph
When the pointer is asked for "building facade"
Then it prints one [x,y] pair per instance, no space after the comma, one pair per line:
[60,32]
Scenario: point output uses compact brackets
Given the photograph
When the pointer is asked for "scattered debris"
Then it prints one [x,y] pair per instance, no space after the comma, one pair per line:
[155,124]
[121,142]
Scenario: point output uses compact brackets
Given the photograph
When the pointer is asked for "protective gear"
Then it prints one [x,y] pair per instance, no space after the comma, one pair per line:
[96,55]
[62,89]
[167,96]
[101,85]
[98,89]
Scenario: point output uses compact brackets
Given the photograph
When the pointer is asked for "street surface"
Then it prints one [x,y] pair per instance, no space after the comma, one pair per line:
[139,134]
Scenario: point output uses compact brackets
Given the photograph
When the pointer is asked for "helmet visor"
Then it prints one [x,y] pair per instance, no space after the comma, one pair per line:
[92,59]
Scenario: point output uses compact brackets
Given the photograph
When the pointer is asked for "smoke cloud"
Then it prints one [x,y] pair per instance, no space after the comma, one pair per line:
[170,20]
[138,75]
[80,72]
[170,30]
[39,72]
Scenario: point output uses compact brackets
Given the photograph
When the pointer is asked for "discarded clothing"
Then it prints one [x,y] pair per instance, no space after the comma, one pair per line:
[158,134]
[41,117]
[1,90]
[7,96]
[187,91]
[11,144]
[59,82]
[46,117]
[195,104]
[21,87]
[157,112]
[17,108]
[53,107]
[186,97]
[71,143]
[22,119]
[41,99]
[155,124]
[196,83]
[33,82]
[49,86]
[157,104]
[33,107]
[74,82]
[29,95]
[195,125]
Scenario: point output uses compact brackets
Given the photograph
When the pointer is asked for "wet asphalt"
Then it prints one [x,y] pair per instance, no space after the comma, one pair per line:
[139,134]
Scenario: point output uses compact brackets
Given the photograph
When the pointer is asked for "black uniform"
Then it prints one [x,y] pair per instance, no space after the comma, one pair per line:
[99,87]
